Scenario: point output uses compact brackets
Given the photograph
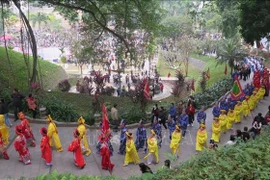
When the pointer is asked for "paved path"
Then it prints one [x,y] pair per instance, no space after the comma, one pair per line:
[63,162]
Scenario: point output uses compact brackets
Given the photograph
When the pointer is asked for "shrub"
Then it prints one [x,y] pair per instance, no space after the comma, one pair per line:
[132,114]
[213,93]
[63,59]
[60,110]
[64,85]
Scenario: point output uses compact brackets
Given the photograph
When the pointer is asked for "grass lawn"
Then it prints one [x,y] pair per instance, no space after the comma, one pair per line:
[216,71]
[17,78]
[164,69]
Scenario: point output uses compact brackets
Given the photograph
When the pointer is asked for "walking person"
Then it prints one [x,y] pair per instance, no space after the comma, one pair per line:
[190,113]
[171,125]
[201,116]
[156,127]
[175,142]
[183,122]
[4,111]
[17,102]
[46,150]
[141,136]
[115,119]
[32,105]
[75,147]
[131,155]
[163,116]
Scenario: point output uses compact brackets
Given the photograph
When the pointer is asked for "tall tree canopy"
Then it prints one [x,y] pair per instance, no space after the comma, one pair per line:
[119,18]
[254,19]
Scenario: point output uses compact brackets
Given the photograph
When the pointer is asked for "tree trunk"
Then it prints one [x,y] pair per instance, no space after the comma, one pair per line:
[32,40]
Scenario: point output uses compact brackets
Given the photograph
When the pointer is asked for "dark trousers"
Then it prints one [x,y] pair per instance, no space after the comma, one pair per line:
[164,123]
[191,118]
[115,125]
[17,109]
[184,129]
[34,113]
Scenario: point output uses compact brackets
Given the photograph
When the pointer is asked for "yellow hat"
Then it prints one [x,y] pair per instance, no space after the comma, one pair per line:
[49,118]
[153,132]
[202,125]
[177,128]
[247,97]
[129,134]
[81,120]
[239,102]
[222,110]
[216,118]
[254,92]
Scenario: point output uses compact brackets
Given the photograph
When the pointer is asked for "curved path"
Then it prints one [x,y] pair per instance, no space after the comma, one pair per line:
[63,162]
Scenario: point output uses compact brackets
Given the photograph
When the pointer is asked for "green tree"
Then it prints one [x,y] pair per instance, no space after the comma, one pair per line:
[126,16]
[254,19]
[38,19]
[230,51]
[228,9]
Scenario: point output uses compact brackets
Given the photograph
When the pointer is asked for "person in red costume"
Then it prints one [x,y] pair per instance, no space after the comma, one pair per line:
[20,146]
[3,149]
[26,130]
[105,153]
[265,81]
[256,79]
[46,151]
[75,147]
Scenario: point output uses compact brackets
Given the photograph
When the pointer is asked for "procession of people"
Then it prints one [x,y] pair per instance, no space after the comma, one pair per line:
[226,112]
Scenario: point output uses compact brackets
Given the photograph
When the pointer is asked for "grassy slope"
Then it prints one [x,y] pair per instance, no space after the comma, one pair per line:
[216,71]
[163,69]
[51,73]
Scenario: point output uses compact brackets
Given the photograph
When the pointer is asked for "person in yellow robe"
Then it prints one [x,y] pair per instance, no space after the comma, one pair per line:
[201,138]
[216,129]
[131,152]
[238,111]
[175,142]
[253,100]
[230,119]
[223,120]
[261,92]
[84,142]
[246,106]
[53,135]
[152,148]
[4,130]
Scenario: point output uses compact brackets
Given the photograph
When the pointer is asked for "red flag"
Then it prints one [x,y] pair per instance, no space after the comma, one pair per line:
[225,70]
[105,121]
[193,85]
[146,90]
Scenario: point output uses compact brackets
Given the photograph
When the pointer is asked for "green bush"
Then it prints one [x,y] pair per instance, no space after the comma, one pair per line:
[132,114]
[213,93]
[69,176]
[60,110]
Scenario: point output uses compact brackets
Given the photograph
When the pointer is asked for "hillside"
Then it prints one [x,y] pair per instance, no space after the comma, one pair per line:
[51,74]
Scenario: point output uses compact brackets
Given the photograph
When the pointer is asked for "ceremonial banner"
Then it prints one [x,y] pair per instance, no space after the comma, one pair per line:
[237,92]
